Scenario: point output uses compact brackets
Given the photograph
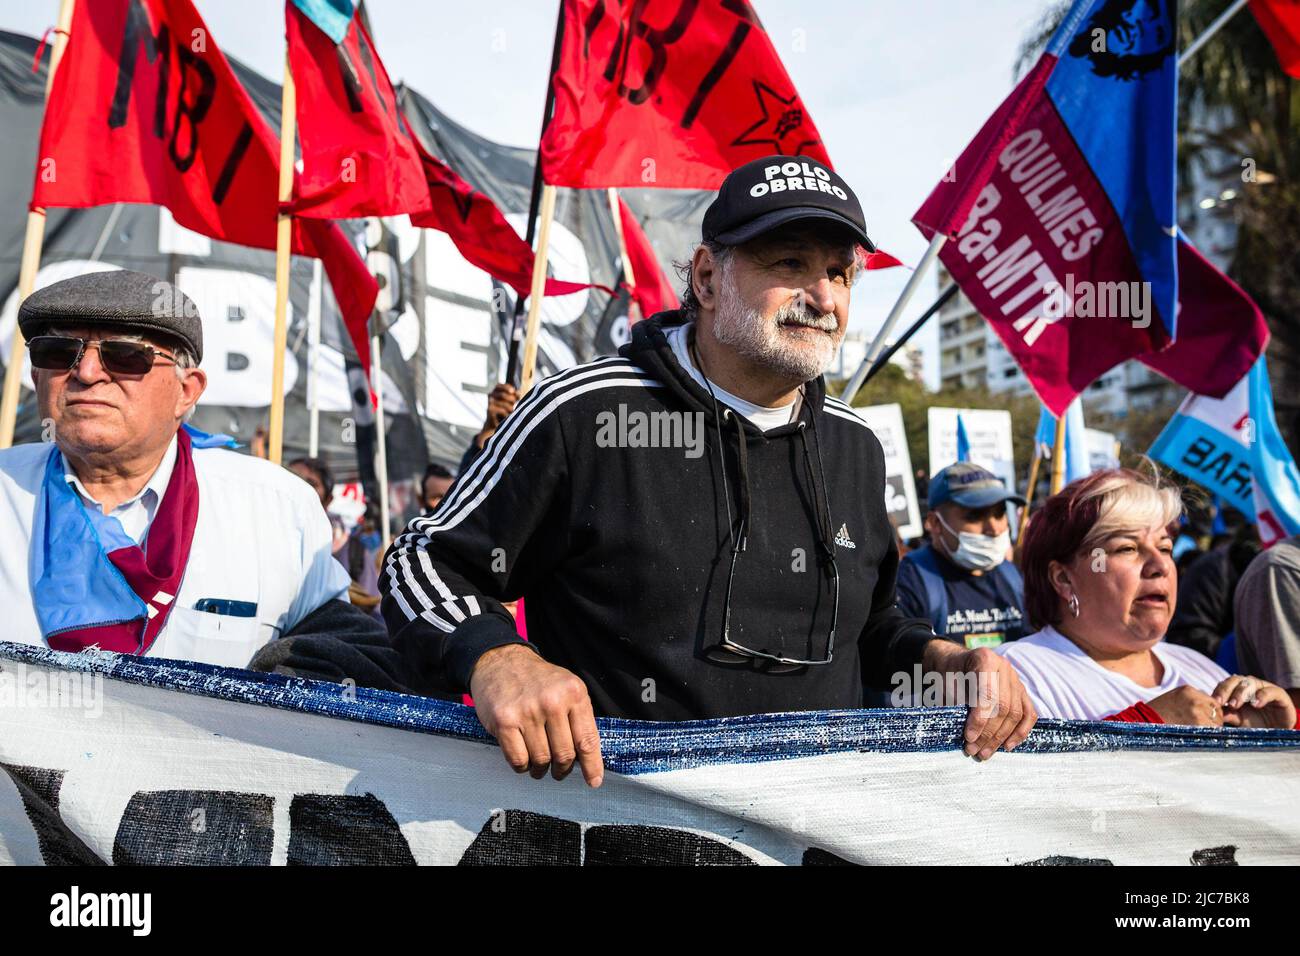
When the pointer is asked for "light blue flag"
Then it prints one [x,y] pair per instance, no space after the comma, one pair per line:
[202,439]
[1277,481]
[1077,463]
[1232,447]
[963,441]
[332,16]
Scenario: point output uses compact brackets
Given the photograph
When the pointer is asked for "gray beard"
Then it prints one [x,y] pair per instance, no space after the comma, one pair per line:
[760,340]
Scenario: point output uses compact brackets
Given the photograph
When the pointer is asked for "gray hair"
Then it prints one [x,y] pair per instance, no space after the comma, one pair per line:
[722,256]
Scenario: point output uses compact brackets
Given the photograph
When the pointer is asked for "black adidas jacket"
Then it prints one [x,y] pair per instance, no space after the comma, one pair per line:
[622,553]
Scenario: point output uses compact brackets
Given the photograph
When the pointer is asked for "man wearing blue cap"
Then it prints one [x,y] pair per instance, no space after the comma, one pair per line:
[962,581]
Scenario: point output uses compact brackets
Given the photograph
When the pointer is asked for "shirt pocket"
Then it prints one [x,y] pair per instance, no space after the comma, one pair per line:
[209,638]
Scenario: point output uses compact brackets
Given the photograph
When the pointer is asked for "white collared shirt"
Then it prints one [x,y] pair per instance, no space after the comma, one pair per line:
[135,514]
[261,538]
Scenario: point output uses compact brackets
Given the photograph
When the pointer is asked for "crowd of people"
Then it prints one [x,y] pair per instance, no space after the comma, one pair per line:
[663,580]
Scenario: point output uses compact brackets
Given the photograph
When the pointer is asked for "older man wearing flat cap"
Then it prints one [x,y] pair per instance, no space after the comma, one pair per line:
[129,532]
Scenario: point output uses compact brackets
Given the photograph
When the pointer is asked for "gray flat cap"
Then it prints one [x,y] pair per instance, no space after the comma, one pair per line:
[123,300]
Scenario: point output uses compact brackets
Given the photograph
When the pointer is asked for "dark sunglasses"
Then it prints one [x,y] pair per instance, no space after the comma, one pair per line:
[60,353]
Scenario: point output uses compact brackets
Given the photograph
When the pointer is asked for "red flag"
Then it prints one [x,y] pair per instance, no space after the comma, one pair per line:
[146,109]
[650,287]
[672,93]
[1059,303]
[478,228]
[880,259]
[1221,331]
[1280,21]
[357,157]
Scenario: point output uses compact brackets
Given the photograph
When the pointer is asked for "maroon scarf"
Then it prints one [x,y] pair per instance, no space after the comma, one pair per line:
[89,597]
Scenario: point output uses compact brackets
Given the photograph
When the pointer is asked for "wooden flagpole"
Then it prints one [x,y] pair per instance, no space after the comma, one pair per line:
[537,290]
[534,197]
[31,261]
[1029,491]
[1058,456]
[283,240]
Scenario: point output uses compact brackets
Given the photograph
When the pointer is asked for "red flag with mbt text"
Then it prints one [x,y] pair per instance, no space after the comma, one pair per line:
[357,157]
[146,109]
[1280,21]
[672,93]
[478,228]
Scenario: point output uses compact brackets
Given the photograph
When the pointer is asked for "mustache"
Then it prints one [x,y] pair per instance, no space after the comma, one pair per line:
[791,313]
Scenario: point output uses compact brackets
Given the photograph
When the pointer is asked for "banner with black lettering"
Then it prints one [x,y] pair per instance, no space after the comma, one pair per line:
[245,768]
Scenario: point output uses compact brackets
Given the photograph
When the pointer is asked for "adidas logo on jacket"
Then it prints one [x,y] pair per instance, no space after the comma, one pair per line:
[623,553]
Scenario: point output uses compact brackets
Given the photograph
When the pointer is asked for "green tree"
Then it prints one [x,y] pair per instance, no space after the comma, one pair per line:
[892,385]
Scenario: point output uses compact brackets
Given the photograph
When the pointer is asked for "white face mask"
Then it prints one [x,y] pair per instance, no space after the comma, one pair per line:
[977,552]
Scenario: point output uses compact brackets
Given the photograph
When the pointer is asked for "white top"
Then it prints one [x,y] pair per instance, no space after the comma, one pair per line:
[136,513]
[761,415]
[1065,682]
[261,536]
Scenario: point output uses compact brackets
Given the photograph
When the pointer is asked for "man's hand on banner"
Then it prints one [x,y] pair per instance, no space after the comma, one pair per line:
[1001,715]
[540,714]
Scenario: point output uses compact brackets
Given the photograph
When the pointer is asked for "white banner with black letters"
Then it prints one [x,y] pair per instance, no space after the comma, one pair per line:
[107,758]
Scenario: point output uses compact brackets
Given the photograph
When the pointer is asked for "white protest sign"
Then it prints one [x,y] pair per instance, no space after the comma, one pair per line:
[989,431]
[886,421]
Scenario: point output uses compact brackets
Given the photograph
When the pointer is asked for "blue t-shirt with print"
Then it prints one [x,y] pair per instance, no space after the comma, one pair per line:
[976,610]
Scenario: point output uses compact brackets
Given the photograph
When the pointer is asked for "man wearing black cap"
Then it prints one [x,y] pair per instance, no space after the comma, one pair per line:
[963,581]
[130,531]
[697,528]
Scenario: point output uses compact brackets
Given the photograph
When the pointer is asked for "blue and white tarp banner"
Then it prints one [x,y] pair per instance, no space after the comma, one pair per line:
[127,760]
[1232,447]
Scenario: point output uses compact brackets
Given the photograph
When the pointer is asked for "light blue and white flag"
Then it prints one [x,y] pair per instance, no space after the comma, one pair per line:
[1233,448]
[332,16]
[1077,463]
[963,441]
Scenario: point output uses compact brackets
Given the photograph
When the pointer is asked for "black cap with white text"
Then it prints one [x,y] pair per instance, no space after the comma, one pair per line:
[771,192]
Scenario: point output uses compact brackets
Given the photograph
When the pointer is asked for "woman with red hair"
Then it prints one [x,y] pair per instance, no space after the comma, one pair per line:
[1100,584]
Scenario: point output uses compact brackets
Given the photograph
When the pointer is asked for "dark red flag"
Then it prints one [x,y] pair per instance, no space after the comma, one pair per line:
[651,289]
[672,93]
[478,228]
[1221,330]
[357,157]
[146,109]
[1280,21]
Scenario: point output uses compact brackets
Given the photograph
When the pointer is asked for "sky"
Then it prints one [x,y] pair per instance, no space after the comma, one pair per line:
[896,87]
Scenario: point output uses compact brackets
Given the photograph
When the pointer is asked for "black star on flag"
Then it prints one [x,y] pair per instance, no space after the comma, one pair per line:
[782,119]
